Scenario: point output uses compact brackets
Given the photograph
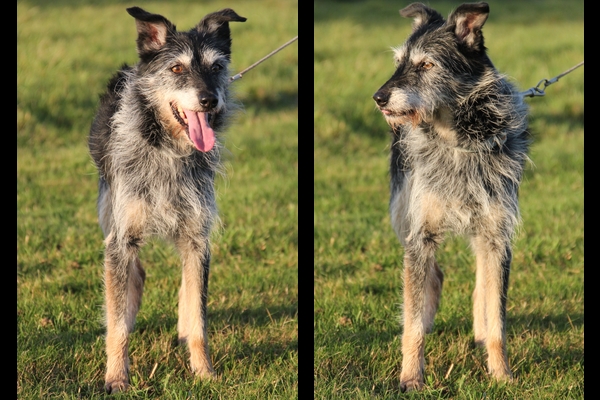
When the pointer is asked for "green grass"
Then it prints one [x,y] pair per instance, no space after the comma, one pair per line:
[357,258]
[66,52]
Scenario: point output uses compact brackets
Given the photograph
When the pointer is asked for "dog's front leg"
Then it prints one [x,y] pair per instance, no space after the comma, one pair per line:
[493,269]
[118,257]
[419,262]
[193,296]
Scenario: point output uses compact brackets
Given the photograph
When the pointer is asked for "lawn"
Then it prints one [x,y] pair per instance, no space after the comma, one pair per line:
[357,258]
[66,52]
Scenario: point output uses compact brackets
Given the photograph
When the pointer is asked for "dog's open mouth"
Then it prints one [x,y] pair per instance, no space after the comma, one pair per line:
[197,126]
[401,117]
[390,113]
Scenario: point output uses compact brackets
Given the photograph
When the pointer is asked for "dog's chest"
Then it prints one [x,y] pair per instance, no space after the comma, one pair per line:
[174,211]
[172,197]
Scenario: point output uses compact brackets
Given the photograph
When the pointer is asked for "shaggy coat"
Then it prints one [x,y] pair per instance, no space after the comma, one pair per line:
[459,145]
[156,142]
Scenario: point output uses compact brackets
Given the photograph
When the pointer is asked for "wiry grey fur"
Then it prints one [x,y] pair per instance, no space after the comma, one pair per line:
[459,145]
[153,180]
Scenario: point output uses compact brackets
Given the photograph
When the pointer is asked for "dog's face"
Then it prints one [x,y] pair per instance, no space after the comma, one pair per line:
[436,62]
[188,72]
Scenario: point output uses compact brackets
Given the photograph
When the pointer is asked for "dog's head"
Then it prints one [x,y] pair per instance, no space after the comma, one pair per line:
[437,64]
[186,72]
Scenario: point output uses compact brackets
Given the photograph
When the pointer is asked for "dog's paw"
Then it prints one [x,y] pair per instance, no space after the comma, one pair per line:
[501,374]
[410,384]
[116,386]
[205,373]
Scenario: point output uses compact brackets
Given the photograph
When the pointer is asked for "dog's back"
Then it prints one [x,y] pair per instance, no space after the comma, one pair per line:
[101,129]
[459,145]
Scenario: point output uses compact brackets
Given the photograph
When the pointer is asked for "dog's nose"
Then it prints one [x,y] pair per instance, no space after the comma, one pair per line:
[208,101]
[381,98]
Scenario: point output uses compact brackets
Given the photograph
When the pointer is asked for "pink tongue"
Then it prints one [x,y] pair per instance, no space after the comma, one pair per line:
[201,133]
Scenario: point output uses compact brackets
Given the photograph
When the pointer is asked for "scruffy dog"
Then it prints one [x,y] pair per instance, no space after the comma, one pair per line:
[155,141]
[459,145]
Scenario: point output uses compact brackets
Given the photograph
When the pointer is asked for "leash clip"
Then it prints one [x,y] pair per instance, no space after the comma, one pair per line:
[536,91]
[235,77]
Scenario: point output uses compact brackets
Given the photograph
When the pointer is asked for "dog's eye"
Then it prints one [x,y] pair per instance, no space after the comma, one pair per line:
[427,65]
[216,67]
[177,69]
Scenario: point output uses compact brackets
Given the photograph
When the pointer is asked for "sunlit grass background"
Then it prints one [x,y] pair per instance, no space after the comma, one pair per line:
[357,273]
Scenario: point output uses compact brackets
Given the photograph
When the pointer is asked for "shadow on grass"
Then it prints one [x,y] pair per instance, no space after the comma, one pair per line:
[516,322]
[260,99]
[270,348]
[572,119]
[255,317]
[159,321]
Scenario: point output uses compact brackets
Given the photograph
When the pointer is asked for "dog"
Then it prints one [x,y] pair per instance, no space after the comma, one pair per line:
[155,141]
[460,141]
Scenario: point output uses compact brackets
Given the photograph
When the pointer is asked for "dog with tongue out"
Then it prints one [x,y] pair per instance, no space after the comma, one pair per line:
[155,142]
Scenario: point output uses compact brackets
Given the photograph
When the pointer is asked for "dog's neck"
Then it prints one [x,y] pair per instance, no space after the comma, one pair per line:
[443,126]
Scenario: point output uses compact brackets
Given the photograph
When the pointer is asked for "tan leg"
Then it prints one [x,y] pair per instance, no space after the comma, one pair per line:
[192,306]
[493,267]
[433,292]
[413,336]
[124,281]
[182,321]
[420,282]
[117,331]
[135,288]
[479,319]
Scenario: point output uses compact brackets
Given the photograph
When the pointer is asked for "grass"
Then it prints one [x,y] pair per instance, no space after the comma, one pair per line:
[357,258]
[66,52]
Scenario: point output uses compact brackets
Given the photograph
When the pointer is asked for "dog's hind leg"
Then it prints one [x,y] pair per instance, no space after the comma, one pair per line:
[135,288]
[479,317]
[419,264]
[193,296]
[493,268]
[433,291]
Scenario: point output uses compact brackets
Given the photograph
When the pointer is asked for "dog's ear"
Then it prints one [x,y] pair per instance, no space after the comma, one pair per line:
[217,24]
[152,29]
[467,20]
[422,15]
